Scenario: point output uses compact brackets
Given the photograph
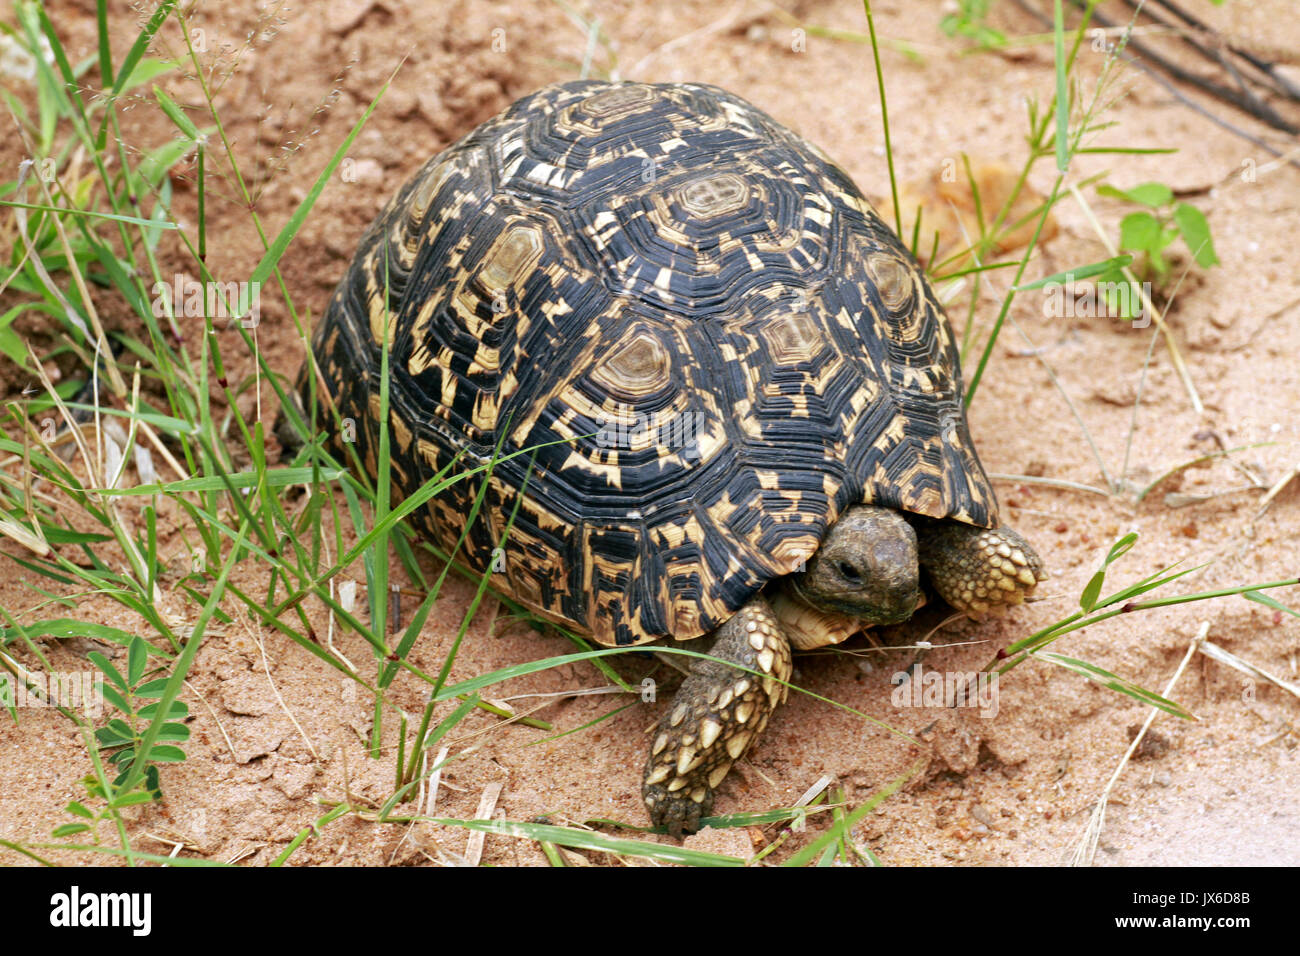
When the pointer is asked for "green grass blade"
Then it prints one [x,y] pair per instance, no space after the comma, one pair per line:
[176,114]
[138,48]
[275,478]
[1080,272]
[69,211]
[1105,678]
[271,259]
[585,840]
[1062,90]
[842,828]
[64,628]
[884,118]
[105,51]
[1270,602]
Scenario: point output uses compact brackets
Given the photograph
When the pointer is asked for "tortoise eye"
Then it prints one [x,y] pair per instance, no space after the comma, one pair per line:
[893,281]
[849,573]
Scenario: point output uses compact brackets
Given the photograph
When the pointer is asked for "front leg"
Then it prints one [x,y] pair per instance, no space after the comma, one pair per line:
[715,716]
[978,569]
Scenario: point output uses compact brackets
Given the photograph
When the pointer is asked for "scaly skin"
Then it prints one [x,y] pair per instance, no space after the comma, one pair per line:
[715,716]
[978,570]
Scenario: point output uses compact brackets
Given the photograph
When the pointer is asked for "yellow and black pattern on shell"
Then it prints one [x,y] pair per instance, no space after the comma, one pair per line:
[694,323]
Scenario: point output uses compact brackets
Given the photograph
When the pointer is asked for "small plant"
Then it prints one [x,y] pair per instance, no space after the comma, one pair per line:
[124,735]
[95,793]
[1151,230]
[970,21]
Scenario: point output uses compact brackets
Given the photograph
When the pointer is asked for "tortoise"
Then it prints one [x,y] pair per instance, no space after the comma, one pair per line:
[739,401]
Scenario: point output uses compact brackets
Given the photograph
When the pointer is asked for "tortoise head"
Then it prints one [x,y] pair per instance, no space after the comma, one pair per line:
[867,566]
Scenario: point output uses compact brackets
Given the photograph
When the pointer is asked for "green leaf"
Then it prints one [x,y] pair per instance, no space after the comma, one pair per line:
[141,768]
[166,754]
[56,535]
[1107,679]
[131,799]
[141,45]
[93,787]
[64,627]
[1123,298]
[11,343]
[176,733]
[430,741]
[137,658]
[111,672]
[113,697]
[1121,547]
[175,711]
[1146,585]
[1154,195]
[149,68]
[151,784]
[176,115]
[263,270]
[1139,230]
[109,739]
[77,213]
[1167,236]
[152,689]
[172,426]
[587,840]
[1062,90]
[1196,233]
[759,818]
[155,164]
[1106,267]
[70,828]
[79,810]
[1088,599]
[1125,151]
[845,826]
[1275,604]
[275,478]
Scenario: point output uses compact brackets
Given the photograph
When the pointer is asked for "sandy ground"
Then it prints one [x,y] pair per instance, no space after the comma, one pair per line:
[274,731]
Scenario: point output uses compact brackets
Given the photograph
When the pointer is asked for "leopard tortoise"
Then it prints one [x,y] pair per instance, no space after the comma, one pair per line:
[739,399]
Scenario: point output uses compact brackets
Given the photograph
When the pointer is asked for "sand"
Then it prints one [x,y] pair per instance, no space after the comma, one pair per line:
[275,732]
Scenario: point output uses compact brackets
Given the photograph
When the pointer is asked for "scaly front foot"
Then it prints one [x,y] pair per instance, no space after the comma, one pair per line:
[715,717]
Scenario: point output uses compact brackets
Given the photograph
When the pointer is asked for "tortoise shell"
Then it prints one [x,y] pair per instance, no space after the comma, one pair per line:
[699,332]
